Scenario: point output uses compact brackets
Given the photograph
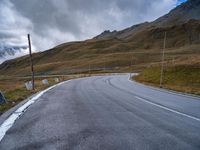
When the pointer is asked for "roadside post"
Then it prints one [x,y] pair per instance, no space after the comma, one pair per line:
[162,61]
[89,69]
[45,82]
[104,67]
[131,64]
[56,80]
[2,98]
[29,85]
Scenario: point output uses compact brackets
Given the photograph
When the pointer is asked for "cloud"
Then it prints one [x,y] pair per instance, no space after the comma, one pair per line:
[51,22]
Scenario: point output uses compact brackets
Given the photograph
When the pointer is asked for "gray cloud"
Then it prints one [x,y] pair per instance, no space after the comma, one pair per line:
[52,22]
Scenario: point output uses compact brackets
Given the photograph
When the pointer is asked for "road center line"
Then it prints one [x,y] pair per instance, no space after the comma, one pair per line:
[166,108]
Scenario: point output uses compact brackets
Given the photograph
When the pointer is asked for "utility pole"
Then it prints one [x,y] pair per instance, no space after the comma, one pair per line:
[31,61]
[131,66]
[131,62]
[162,61]
[89,69]
[104,67]
[173,61]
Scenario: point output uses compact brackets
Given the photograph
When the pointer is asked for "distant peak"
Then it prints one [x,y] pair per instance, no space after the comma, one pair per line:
[108,31]
[106,34]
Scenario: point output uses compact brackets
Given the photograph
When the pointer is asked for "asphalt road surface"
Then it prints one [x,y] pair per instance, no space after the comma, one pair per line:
[107,113]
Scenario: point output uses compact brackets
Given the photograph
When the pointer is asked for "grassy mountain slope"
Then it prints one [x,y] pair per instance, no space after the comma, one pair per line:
[135,49]
[132,49]
[141,49]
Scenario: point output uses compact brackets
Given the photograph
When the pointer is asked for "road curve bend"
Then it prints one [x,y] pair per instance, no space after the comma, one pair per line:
[107,113]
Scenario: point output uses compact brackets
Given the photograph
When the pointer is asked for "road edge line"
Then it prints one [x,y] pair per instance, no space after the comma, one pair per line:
[168,109]
[9,122]
[196,97]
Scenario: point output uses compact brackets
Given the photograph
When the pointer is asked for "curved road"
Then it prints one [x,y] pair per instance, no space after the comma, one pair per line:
[107,113]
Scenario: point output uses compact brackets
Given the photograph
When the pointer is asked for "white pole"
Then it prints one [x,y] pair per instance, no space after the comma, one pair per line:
[131,65]
[89,69]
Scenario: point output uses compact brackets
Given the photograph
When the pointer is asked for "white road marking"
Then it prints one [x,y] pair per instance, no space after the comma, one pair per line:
[166,90]
[169,109]
[8,123]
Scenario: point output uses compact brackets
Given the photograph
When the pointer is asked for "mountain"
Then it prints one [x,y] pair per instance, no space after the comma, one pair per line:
[180,15]
[8,51]
[134,48]
[122,34]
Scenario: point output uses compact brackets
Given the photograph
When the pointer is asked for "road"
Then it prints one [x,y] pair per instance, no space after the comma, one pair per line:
[107,113]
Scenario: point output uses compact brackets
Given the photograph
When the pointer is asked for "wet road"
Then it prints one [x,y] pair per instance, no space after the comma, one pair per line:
[107,113]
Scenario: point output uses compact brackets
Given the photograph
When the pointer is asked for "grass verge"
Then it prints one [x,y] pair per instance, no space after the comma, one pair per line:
[182,78]
[14,89]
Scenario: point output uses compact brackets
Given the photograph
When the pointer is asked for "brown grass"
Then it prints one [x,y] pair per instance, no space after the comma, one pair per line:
[143,48]
[14,89]
[180,77]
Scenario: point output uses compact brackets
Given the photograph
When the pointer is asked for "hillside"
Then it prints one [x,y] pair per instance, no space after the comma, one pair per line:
[180,15]
[132,49]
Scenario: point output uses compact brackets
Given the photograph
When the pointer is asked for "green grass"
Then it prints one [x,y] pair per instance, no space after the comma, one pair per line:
[183,78]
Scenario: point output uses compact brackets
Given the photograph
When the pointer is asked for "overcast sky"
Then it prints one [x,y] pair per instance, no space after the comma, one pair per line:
[51,22]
